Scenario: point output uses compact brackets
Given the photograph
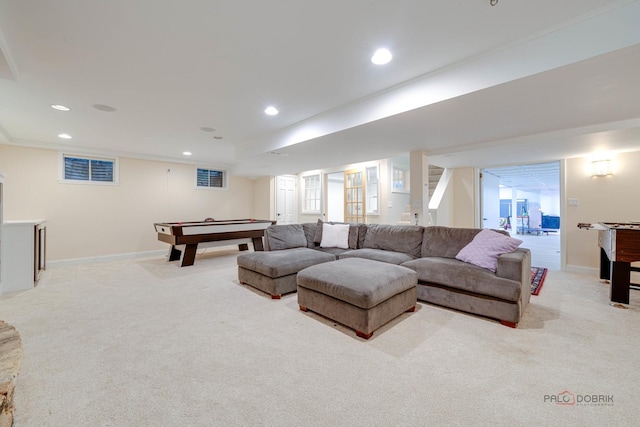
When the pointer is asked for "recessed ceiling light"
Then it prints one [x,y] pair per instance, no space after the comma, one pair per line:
[381,56]
[64,136]
[103,107]
[271,110]
[207,129]
[186,153]
[60,107]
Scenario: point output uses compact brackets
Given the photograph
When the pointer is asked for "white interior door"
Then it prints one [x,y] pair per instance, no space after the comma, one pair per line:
[286,212]
[490,185]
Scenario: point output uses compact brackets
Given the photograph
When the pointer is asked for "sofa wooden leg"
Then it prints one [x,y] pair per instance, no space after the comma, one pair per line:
[509,324]
[411,310]
[276,296]
[303,308]
[363,335]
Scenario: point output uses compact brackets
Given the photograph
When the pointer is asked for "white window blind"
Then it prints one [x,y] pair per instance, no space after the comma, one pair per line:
[88,169]
[211,178]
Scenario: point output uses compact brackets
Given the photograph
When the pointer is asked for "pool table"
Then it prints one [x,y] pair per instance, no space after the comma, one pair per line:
[186,237]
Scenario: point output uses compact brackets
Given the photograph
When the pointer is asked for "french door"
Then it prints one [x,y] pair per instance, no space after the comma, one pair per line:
[354,196]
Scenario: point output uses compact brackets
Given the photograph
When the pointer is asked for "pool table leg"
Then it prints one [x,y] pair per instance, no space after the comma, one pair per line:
[620,281]
[257,244]
[189,255]
[174,254]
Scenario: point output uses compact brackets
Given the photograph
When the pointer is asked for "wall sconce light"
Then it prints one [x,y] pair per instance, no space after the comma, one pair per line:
[601,168]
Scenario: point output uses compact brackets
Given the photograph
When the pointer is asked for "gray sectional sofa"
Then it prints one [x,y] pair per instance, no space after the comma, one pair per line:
[429,251]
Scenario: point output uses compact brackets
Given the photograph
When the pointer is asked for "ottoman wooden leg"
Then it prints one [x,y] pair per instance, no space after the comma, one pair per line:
[303,308]
[411,310]
[509,324]
[276,296]
[363,335]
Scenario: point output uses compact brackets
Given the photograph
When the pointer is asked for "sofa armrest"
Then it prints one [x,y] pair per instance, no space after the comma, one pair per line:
[516,266]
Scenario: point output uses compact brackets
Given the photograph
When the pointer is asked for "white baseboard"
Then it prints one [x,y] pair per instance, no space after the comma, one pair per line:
[105,258]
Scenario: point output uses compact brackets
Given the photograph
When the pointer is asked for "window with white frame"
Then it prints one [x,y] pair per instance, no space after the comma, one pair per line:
[312,194]
[400,179]
[87,169]
[211,178]
[373,191]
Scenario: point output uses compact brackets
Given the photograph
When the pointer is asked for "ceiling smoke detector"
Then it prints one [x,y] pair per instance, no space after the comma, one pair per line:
[103,107]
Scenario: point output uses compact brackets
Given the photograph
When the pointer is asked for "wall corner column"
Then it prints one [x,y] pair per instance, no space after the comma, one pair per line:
[419,186]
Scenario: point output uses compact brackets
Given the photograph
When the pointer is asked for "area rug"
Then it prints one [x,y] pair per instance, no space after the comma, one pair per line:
[538,275]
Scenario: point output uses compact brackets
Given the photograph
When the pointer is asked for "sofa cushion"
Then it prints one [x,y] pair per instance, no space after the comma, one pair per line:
[362,234]
[283,262]
[310,234]
[286,236]
[398,238]
[335,251]
[486,247]
[335,236]
[353,233]
[389,257]
[446,241]
[464,276]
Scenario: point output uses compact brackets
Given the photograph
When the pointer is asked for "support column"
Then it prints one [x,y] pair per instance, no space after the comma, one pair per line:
[419,186]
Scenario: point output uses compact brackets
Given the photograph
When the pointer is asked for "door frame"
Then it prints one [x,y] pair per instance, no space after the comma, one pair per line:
[563,205]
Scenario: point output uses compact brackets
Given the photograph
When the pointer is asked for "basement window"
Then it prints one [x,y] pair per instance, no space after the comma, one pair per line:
[211,178]
[312,192]
[78,169]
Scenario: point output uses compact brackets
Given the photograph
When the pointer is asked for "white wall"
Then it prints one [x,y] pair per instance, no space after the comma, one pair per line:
[97,220]
[90,221]
[264,198]
[602,199]
[463,201]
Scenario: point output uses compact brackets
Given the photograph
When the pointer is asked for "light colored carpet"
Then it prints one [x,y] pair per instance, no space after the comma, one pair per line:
[146,343]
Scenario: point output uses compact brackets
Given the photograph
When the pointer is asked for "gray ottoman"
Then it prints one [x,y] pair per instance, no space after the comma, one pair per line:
[274,272]
[359,293]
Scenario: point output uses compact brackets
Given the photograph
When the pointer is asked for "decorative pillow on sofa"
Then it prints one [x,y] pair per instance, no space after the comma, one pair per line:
[486,247]
[354,230]
[335,236]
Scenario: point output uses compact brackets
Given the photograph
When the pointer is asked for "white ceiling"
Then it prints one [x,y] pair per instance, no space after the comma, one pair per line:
[472,84]
[529,177]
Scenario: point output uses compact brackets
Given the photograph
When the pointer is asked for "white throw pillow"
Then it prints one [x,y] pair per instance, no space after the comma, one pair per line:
[335,236]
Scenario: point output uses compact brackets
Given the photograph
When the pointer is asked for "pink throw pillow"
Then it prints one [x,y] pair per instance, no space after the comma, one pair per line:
[486,247]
